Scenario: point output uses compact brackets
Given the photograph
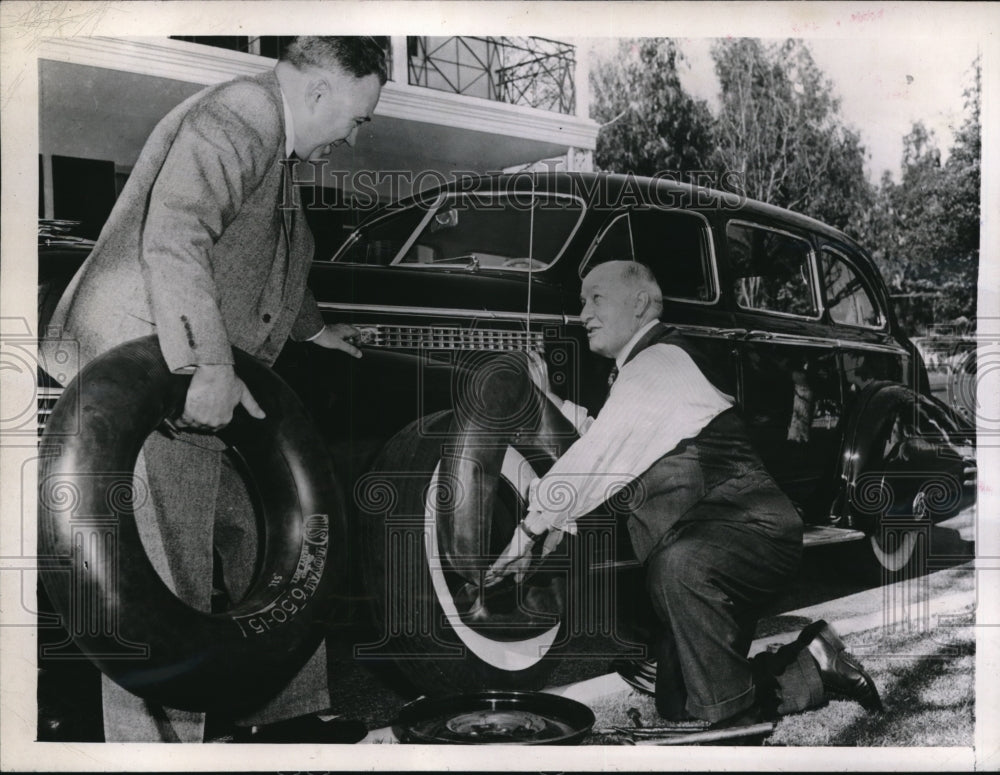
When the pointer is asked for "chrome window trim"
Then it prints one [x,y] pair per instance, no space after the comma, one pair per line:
[417,231]
[445,195]
[810,262]
[706,232]
[884,325]
[353,237]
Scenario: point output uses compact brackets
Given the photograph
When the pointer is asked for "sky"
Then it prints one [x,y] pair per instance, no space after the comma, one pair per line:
[884,86]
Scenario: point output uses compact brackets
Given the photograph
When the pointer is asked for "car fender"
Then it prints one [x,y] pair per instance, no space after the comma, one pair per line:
[943,436]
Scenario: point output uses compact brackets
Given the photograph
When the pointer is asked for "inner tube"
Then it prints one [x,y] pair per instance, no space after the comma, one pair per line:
[114,604]
[441,502]
[496,408]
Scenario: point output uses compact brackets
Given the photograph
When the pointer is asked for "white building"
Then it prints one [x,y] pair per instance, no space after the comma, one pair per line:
[453,104]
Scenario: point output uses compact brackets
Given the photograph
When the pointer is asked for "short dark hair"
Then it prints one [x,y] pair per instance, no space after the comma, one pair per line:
[358,55]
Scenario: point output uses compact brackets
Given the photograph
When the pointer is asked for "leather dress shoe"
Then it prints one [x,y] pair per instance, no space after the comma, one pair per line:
[840,671]
[306,729]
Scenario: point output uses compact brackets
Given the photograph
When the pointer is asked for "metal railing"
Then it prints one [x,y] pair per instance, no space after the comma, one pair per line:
[530,71]
[536,72]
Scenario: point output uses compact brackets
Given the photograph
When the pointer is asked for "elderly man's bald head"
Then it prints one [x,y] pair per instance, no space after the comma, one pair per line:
[619,298]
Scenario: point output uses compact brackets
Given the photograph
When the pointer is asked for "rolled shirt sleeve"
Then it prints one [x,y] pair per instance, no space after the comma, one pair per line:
[659,399]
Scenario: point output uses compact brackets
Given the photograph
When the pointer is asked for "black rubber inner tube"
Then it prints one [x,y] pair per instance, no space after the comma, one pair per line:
[113,603]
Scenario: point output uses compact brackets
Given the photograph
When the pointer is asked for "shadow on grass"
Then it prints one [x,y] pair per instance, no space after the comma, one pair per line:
[913,697]
[927,685]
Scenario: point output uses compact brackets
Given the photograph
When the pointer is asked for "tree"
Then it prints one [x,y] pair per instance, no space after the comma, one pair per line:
[780,129]
[961,200]
[926,227]
[650,124]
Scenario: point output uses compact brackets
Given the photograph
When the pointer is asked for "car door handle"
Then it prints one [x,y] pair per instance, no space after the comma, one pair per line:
[760,335]
[729,333]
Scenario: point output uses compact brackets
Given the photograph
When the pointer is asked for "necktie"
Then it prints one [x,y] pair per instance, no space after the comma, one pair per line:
[612,376]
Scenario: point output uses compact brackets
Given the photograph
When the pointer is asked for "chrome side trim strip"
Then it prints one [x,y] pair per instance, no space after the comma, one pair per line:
[875,348]
[817,341]
[445,312]
[793,339]
[575,320]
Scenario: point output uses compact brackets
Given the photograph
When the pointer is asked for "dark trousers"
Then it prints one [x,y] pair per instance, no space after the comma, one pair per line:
[708,581]
[190,502]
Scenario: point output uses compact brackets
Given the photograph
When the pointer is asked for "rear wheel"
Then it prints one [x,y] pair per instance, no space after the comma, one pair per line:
[896,551]
[914,472]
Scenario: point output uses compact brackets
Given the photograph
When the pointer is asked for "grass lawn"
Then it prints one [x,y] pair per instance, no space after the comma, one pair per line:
[926,680]
[927,683]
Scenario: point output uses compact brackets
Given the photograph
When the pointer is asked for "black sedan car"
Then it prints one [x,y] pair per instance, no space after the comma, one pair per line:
[448,286]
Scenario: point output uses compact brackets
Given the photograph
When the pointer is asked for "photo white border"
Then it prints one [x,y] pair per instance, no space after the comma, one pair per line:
[23,24]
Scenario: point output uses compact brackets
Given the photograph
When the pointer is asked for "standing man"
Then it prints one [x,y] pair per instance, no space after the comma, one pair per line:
[717,536]
[207,248]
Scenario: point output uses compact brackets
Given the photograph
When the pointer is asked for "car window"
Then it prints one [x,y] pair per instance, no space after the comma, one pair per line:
[771,270]
[675,245]
[847,297]
[379,242]
[514,232]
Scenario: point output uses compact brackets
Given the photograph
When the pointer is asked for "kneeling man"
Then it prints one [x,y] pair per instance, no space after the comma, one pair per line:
[718,538]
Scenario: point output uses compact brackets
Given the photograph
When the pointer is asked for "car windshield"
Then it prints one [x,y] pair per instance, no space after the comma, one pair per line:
[515,232]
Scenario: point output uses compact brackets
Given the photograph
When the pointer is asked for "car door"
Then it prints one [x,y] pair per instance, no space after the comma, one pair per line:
[677,246]
[858,320]
[791,394]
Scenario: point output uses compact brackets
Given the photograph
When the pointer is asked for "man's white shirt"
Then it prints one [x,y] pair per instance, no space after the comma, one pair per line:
[659,398]
[289,126]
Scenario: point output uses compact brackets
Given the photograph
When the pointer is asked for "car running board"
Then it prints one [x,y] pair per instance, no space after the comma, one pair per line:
[813,535]
[820,535]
